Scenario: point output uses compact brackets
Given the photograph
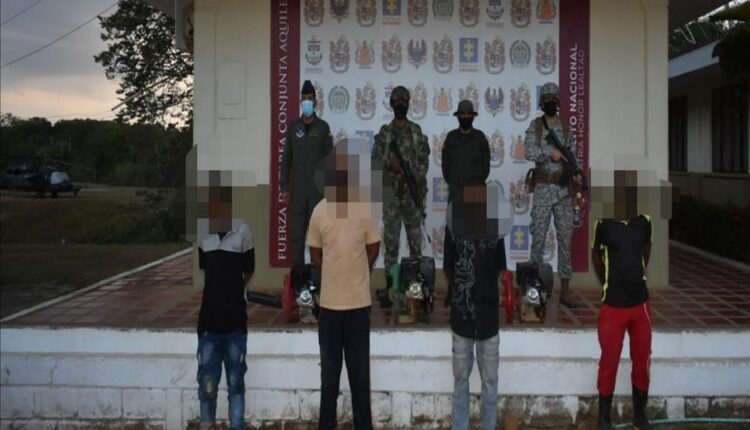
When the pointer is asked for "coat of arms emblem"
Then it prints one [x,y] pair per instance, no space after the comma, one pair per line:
[468,12]
[365,55]
[518,150]
[314,54]
[340,137]
[438,140]
[367,12]
[387,97]
[497,149]
[494,100]
[417,12]
[440,190]
[520,103]
[417,50]
[519,197]
[338,99]
[442,58]
[366,102]
[494,56]
[314,12]
[520,54]
[443,9]
[392,56]
[339,9]
[339,56]
[438,239]
[442,101]
[546,56]
[546,11]
[320,97]
[470,93]
[520,13]
[495,9]
[418,102]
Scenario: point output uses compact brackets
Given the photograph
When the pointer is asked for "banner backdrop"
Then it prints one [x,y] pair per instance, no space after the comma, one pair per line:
[496,53]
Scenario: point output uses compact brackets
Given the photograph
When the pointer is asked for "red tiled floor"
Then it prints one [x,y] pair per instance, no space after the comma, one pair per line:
[702,294]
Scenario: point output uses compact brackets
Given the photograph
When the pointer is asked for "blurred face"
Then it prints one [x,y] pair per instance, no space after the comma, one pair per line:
[626,194]
[219,209]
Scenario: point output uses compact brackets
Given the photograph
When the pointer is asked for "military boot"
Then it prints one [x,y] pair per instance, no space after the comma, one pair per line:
[604,421]
[640,400]
[566,298]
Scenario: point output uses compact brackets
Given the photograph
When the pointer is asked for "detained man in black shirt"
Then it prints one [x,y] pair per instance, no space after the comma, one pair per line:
[227,258]
[620,252]
[474,257]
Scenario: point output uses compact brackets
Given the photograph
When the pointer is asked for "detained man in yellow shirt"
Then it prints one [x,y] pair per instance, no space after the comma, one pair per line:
[344,243]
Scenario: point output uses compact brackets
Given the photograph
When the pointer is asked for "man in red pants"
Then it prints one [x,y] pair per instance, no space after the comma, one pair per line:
[620,253]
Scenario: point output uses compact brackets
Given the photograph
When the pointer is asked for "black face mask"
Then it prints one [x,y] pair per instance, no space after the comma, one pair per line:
[550,108]
[399,110]
[465,123]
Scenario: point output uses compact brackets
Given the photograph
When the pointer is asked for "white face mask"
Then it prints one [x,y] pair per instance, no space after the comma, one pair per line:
[307,108]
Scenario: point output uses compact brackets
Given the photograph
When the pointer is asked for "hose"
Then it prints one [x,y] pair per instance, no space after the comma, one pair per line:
[655,423]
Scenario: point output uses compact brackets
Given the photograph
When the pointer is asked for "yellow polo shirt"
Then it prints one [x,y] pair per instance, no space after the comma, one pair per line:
[345,276]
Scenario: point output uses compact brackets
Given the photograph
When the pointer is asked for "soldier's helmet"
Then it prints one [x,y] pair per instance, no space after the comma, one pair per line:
[549,91]
[400,93]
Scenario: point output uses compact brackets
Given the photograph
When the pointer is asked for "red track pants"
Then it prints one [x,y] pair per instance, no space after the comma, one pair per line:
[613,323]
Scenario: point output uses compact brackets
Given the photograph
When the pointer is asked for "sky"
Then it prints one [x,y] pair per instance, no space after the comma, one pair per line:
[62,80]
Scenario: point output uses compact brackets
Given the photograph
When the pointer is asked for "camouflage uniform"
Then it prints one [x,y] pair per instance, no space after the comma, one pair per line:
[401,207]
[550,199]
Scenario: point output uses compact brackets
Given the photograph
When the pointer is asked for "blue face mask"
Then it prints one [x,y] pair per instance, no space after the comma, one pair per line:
[307,108]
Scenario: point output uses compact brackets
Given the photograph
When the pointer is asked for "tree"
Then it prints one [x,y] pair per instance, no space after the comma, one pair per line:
[156,79]
[24,137]
[733,49]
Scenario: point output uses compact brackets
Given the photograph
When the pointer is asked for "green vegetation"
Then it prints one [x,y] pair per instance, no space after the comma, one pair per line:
[96,216]
[732,50]
[143,155]
[155,78]
[52,246]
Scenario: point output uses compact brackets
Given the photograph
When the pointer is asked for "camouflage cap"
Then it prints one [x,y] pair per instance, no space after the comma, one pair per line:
[549,90]
[400,92]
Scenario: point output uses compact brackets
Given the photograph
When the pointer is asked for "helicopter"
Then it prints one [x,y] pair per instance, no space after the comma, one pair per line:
[38,176]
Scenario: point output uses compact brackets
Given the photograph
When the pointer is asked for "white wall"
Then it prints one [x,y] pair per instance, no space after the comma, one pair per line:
[232,86]
[699,93]
[121,375]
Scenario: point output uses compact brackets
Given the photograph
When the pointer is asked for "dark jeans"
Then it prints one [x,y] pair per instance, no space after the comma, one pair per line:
[213,349]
[345,334]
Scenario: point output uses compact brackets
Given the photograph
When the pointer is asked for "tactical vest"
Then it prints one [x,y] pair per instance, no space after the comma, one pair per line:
[539,129]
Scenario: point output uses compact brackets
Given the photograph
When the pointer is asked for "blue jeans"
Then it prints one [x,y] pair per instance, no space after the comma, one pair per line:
[488,359]
[213,349]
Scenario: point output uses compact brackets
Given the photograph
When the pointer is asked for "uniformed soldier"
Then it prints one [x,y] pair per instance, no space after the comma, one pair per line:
[551,199]
[308,139]
[466,153]
[413,145]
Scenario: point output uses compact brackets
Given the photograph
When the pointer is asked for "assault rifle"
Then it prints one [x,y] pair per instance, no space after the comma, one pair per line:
[411,183]
[570,166]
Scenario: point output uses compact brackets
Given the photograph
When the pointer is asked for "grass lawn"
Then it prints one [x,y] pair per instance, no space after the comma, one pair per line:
[50,247]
